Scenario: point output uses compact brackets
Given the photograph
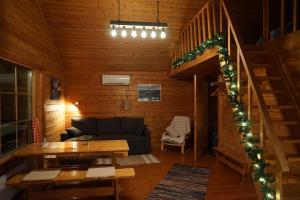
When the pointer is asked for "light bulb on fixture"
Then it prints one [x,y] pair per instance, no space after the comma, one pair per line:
[163,34]
[113,31]
[124,32]
[144,33]
[133,33]
[153,33]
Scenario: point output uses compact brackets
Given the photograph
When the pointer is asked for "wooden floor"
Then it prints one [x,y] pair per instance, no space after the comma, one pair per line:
[223,184]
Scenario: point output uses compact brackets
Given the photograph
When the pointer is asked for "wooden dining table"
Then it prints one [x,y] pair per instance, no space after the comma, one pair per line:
[74,147]
[111,148]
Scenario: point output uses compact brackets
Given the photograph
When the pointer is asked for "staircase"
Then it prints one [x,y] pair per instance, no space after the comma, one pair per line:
[284,116]
[262,87]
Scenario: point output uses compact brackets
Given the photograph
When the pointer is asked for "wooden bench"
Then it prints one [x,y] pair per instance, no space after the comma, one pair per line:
[242,167]
[72,176]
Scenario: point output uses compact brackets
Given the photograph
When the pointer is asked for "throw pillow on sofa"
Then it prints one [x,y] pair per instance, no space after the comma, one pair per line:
[73,132]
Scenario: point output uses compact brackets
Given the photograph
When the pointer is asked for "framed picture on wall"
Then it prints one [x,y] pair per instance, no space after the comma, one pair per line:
[148,92]
[55,89]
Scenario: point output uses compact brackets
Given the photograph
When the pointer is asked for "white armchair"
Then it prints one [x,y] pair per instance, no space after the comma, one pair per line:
[177,133]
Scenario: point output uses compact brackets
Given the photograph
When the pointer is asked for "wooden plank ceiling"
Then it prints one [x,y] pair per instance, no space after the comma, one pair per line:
[81,31]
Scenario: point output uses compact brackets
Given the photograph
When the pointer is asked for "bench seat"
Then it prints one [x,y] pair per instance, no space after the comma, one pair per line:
[71,176]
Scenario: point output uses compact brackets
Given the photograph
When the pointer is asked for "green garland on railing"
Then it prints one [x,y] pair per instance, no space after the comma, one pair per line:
[250,143]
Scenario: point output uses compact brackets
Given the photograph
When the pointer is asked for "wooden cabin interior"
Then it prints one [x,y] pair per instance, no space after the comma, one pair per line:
[150,99]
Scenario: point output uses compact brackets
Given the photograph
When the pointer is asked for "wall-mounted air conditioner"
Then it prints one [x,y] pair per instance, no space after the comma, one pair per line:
[115,79]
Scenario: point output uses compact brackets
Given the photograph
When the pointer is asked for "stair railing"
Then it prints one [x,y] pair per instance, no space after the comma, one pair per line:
[283,11]
[202,27]
[199,29]
[253,90]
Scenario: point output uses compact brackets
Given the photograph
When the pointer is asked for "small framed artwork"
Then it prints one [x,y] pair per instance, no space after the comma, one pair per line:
[148,92]
[55,89]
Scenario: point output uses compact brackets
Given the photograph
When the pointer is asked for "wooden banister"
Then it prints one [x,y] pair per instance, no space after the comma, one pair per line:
[277,147]
[202,27]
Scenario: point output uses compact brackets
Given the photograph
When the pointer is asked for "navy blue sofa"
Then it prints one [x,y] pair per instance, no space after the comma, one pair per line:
[131,129]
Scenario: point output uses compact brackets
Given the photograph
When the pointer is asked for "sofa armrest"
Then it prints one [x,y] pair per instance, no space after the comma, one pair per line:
[63,137]
[147,134]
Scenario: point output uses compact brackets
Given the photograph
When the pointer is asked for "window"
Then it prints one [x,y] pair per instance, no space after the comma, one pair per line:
[15,106]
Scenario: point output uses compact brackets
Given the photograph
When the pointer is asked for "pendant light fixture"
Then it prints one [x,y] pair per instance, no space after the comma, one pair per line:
[138,28]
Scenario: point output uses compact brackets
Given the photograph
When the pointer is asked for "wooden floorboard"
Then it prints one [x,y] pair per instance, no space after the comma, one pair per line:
[224,183]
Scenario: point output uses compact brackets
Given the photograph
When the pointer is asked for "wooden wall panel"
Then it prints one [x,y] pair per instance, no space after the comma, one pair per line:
[100,101]
[25,39]
[54,113]
[228,136]
[81,30]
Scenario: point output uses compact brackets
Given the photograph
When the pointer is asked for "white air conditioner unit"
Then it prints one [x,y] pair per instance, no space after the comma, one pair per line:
[115,79]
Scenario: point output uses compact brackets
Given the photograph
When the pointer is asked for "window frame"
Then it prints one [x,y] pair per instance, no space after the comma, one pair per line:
[16,94]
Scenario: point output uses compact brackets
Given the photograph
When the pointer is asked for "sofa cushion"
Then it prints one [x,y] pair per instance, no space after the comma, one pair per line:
[132,125]
[73,132]
[108,126]
[86,125]
[130,138]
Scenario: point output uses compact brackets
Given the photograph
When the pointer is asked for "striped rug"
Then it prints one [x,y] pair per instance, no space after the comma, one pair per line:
[182,182]
[131,160]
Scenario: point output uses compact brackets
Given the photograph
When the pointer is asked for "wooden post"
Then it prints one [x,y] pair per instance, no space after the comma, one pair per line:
[187,40]
[261,131]
[195,33]
[208,22]
[238,70]
[266,20]
[228,38]
[191,37]
[199,30]
[282,24]
[295,15]
[249,100]
[203,26]
[195,118]
[214,16]
[182,44]
[221,17]
[278,182]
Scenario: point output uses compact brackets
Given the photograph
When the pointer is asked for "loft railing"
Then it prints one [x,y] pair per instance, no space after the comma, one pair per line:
[199,29]
[284,10]
[202,27]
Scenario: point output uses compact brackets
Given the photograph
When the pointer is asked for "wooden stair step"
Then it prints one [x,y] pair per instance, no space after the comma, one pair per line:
[281,107]
[272,91]
[261,65]
[291,179]
[283,122]
[290,140]
[289,157]
[254,48]
[269,78]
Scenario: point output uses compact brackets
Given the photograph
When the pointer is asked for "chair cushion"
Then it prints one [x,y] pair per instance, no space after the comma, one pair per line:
[86,125]
[172,132]
[73,132]
[108,126]
[130,125]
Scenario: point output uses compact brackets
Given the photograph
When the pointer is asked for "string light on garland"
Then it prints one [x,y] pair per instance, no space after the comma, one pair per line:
[251,143]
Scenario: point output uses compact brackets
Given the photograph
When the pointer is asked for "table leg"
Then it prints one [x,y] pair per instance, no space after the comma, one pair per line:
[116,187]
